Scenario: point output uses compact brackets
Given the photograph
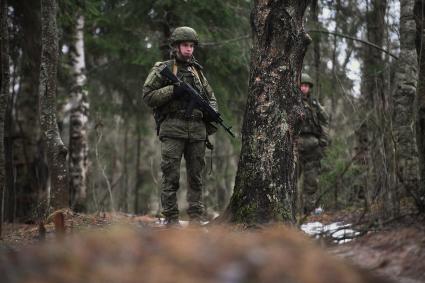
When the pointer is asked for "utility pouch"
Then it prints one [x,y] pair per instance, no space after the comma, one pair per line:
[211,128]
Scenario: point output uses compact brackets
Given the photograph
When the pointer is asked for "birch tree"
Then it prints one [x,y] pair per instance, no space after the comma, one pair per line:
[78,140]
[56,150]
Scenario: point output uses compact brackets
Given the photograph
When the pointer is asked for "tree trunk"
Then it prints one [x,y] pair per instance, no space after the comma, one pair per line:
[420,117]
[9,197]
[78,143]
[335,95]
[316,47]
[139,178]
[125,175]
[372,135]
[56,150]
[265,189]
[30,180]
[4,99]
[403,116]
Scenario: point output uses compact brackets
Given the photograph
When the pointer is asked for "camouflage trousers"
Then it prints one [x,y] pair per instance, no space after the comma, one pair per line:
[172,150]
[308,179]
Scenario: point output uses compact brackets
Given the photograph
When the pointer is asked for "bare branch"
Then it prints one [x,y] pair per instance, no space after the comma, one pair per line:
[355,39]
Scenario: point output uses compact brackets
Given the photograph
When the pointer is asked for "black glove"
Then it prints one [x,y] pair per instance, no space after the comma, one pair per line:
[179,92]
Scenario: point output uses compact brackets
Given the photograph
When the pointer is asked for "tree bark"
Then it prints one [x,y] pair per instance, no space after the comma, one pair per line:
[265,189]
[404,92]
[78,137]
[420,94]
[4,99]
[56,150]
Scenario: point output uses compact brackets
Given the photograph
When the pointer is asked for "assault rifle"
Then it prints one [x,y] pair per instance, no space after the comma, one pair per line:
[196,100]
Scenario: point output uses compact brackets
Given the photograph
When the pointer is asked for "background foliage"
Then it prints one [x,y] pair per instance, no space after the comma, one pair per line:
[124,38]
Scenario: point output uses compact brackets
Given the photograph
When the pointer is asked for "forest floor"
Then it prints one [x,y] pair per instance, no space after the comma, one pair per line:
[396,251]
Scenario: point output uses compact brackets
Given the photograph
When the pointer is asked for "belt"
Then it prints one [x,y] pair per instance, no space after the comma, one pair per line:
[182,116]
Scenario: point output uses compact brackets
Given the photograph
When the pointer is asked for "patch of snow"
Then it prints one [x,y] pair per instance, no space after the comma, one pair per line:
[338,231]
[312,228]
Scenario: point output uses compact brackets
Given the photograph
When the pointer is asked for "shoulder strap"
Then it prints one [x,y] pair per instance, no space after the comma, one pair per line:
[174,69]
[195,72]
[199,75]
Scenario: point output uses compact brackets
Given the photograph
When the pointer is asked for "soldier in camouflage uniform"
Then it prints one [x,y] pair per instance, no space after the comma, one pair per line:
[180,135]
[312,142]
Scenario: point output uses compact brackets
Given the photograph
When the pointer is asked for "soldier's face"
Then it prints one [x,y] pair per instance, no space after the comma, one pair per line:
[305,88]
[186,49]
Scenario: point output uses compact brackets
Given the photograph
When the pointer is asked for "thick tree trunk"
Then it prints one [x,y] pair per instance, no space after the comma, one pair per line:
[420,118]
[403,116]
[265,188]
[78,137]
[4,99]
[56,150]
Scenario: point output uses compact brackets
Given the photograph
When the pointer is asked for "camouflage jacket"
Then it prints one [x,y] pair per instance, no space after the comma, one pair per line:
[315,126]
[158,94]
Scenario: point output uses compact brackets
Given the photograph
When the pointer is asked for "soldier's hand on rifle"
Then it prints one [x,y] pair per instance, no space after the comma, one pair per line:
[179,92]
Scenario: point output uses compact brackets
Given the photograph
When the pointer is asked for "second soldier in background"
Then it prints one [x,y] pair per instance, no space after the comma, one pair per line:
[312,143]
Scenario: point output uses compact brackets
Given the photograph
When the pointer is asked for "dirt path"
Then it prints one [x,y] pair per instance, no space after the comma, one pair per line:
[398,254]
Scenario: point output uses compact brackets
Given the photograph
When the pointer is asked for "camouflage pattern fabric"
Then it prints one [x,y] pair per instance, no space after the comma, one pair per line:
[312,143]
[157,93]
[172,151]
[180,135]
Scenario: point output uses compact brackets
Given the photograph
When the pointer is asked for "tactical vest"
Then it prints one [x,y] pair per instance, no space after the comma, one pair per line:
[311,124]
[191,74]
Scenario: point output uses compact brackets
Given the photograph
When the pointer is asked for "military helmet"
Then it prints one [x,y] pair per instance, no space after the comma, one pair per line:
[306,79]
[181,34]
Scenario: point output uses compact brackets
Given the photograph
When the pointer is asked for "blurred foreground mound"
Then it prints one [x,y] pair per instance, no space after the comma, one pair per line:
[123,254]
